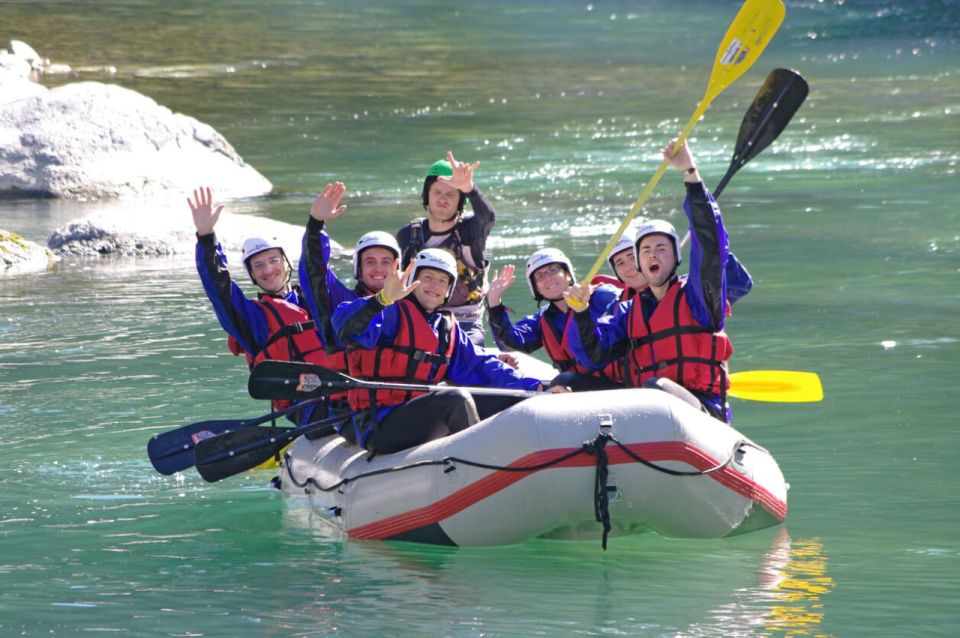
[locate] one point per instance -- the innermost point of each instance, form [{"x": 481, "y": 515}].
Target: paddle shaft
[
  {"x": 309, "y": 385},
  {"x": 748, "y": 35}
]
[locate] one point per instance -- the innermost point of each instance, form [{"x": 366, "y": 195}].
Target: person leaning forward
[
  {"x": 446, "y": 187},
  {"x": 400, "y": 335},
  {"x": 671, "y": 332}
]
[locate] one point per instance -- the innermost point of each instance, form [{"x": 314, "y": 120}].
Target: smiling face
[
  {"x": 657, "y": 259},
  {"x": 442, "y": 202},
  {"x": 625, "y": 266},
  {"x": 551, "y": 280},
  {"x": 269, "y": 270},
  {"x": 375, "y": 264},
  {"x": 433, "y": 288}
]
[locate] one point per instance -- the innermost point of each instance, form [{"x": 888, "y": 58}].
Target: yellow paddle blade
[
  {"x": 779, "y": 386},
  {"x": 745, "y": 40}
]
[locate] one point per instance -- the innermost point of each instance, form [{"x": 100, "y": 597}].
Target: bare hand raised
[
  {"x": 327, "y": 206},
  {"x": 204, "y": 216},
  {"x": 682, "y": 159},
  {"x": 394, "y": 285},
  {"x": 501, "y": 281},
  {"x": 462, "y": 178}
]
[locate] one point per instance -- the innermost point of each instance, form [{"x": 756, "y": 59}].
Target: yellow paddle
[
  {"x": 748, "y": 35},
  {"x": 779, "y": 386}
]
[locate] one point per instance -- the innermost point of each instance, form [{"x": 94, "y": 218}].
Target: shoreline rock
[{"x": 19, "y": 255}]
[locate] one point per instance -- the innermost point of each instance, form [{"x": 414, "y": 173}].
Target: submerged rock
[
  {"x": 18, "y": 255},
  {"x": 165, "y": 229}
]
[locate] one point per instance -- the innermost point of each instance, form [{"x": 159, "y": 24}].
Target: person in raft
[
  {"x": 549, "y": 273},
  {"x": 276, "y": 324},
  {"x": 401, "y": 335},
  {"x": 631, "y": 281},
  {"x": 374, "y": 257},
  {"x": 671, "y": 334},
  {"x": 446, "y": 187}
]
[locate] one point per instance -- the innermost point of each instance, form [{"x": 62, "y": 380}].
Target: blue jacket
[
  {"x": 323, "y": 291},
  {"x": 527, "y": 336},
  {"x": 366, "y": 323}
]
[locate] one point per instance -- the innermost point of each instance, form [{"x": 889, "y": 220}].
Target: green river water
[{"x": 849, "y": 223}]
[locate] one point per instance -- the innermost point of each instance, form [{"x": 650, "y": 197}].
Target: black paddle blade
[
  {"x": 290, "y": 380},
  {"x": 235, "y": 452},
  {"x": 172, "y": 451},
  {"x": 776, "y": 103},
  {"x": 772, "y": 109}
]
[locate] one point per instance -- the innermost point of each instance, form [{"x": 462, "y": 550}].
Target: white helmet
[
  {"x": 438, "y": 259},
  {"x": 253, "y": 246},
  {"x": 656, "y": 227},
  {"x": 256, "y": 245},
  {"x": 624, "y": 243},
  {"x": 375, "y": 238},
  {"x": 541, "y": 258}
]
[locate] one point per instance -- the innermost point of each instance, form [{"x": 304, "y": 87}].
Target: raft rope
[{"x": 601, "y": 497}]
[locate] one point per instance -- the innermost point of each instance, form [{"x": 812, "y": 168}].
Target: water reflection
[
  {"x": 787, "y": 599},
  {"x": 766, "y": 584}
]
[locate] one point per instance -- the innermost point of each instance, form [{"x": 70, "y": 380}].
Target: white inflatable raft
[{"x": 533, "y": 471}]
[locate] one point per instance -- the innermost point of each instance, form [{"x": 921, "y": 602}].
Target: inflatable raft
[{"x": 561, "y": 466}]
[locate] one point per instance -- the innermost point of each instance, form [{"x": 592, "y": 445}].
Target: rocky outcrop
[
  {"x": 90, "y": 140},
  {"x": 17, "y": 255}
]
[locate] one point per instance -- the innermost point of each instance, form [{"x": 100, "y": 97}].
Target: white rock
[
  {"x": 27, "y": 53},
  {"x": 94, "y": 140},
  {"x": 15, "y": 65},
  {"x": 16, "y": 87},
  {"x": 18, "y": 255}
]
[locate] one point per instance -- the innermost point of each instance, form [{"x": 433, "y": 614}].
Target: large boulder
[
  {"x": 95, "y": 140},
  {"x": 18, "y": 255}
]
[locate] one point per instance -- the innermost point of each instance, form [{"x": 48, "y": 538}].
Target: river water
[{"x": 848, "y": 223}]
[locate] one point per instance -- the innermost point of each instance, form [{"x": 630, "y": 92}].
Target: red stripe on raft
[{"x": 501, "y": 479}]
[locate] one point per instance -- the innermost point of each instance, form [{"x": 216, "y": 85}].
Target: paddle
[
  {"x": 290, "y": 379},
  {"x": 172, "y": 451},
  {"x": 748, "y": 35},
  {"x": 781, "y": 386},
  {"x": 244, "y": 449},
  {"x": 771, "y": 110},
  {"x": 293, "y": 379}
]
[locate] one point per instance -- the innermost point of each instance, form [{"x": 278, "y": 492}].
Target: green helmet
[{"x": 440, "y": 167}]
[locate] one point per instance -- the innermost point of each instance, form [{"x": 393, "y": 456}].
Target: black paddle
[
  {"x": 772, "y": 109},
  {"x": 776, "y": 102},
  {"x": 241, "y": 450},
  {"x": 289, "y": 380},
  {"x": 172, "y": 451}
]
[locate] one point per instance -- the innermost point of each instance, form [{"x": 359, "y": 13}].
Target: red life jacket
[
  {"x": 417, "y": 355},
  {"x": 625, "y": 291},
  {"x": 674, "y": 346},
  {"x": 291, "y": 338},
  {"x": 558, "y": 349}
]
